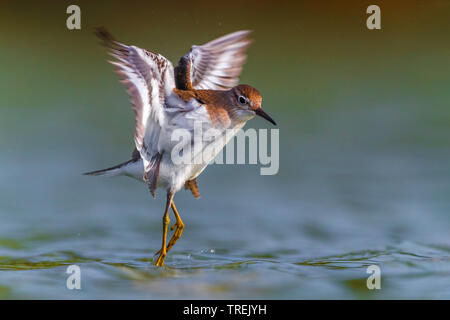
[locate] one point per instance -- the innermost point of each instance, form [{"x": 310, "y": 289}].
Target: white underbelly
[
  {"x": 177, "y": 174},
  {"x": 174, "y": 175}
]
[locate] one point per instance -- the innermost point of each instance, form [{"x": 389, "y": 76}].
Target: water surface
[{"x": 364, "y": 161}]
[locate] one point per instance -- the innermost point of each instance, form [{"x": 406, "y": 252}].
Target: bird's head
[{"x": 247, "y": 103}]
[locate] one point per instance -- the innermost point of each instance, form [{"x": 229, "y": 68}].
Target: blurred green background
[{"x": 364, "y": 174}]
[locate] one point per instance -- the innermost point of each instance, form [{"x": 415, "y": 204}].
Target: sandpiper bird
[{"x": 203, "y": 87}]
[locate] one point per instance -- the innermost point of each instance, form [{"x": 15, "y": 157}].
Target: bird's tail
[{"x": 109, "y": 172}]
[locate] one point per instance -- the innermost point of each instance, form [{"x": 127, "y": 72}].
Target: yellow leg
[
  {"x": 179, "y": 227},
  {"x": 166, "y": 220}
]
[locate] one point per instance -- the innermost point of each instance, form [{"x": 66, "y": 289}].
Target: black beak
[{"x": 261, "y": 113}]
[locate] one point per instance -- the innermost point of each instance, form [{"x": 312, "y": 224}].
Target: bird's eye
[{"x": 242, "y": 100}]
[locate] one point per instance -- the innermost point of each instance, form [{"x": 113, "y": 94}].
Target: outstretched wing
[
  {"x": 215, "y": 65},
  {"x": 149, "y": 79}
]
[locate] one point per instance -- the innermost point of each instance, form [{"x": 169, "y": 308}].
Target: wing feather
[
  {"x": 215, "y": 65},
  {"x": 149, "y": 79}
]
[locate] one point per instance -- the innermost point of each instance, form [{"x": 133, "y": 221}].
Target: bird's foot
[
  {"x": 179, "y": 225},
  {"x": 177, "y": 234},
  {"x": 162, "y": 255}
]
